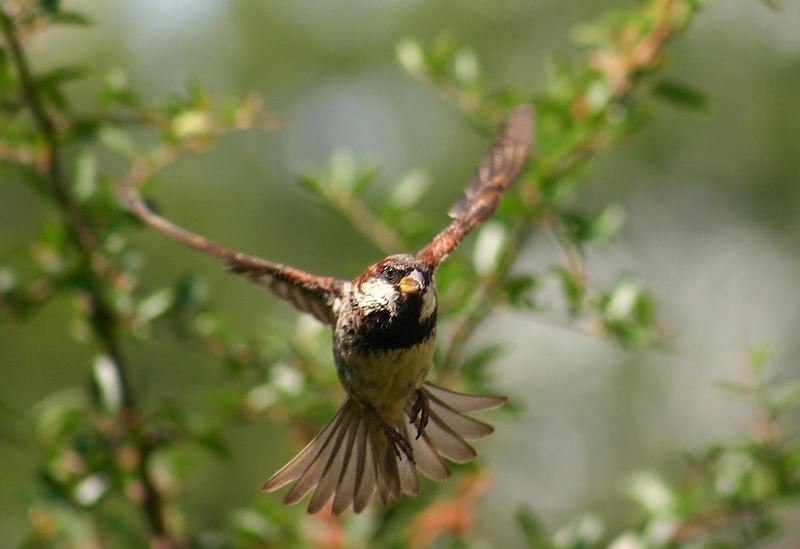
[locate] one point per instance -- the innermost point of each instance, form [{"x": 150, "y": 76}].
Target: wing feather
[{"x": 495, "y": 173}]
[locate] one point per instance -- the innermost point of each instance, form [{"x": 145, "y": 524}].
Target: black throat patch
[{"x": 379, "y": 330}]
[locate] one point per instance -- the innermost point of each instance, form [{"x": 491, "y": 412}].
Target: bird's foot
[
  {"x": 420, "y": 412},
  {"x": 397, "y": 441}
]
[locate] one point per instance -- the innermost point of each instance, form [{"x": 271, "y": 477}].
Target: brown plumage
[{"x": 393, "y": 423}]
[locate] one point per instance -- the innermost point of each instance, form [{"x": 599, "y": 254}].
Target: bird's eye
[{"x": 389, "y": 272}]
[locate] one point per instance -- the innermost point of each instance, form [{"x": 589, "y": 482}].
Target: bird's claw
[
  {"x": 420, "y": 412},
  {"x": 397, "y": 441}
]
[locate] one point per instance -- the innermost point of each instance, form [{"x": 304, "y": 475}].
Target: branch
[
  {"x": 94, "y": 269},
  {"x": 355, "y": 212},
  {"x": 143, "y": 169},
  {"x": 623, "y": 68}
]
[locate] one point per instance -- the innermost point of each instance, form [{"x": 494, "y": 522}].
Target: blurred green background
[{"x": 713, "y": 204}]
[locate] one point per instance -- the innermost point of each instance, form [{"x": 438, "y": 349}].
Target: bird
[{"x": 394, "y": 423}]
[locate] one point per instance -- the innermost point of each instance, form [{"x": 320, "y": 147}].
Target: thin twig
[
  {"x": 364, "y": 221},
  {"x": 94, "y": 269}
]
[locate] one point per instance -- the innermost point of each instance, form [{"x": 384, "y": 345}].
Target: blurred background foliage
[{"x": 636, "y": 294}]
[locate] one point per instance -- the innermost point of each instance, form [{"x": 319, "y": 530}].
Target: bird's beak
[{"x": 414, "y": 283}]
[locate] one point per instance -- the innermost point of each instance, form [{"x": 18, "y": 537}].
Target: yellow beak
[{"x": 413, "y": 283}]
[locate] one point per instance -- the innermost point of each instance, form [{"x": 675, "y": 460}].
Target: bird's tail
[{"x": 352, "y": 457}]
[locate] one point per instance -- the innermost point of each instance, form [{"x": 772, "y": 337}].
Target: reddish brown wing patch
[
  {"x": 495, "y": 173},
  {"x": 312, "y": 294}
]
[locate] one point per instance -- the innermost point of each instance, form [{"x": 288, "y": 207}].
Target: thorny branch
[{"x": 95, "y": 270}]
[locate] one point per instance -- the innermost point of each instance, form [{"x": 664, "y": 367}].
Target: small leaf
[
  {"x": 311, "y": 183},
  {"x": 85, "y": 179},
  {"x": 61, "y": 75},
  {"x": 465, "y": 67},
  {"x": 606, "y": 225},
  {"x": 117, "y": 140},
  {"x": 785, "y": 397},
  {"x": 519, "y": 290},
  {"x": 50, "y": 6},
  {"x": 488, "y": 246},
  {"x": 71, "y": 17},
  {"x": 622, "y": 300},
  {"x": 573, "y": 290},
  {"x": 252, "y": 524},
  {"x": 410, "y": 189},
  {"x": 364, "y": 179},
  {"x": 474, "y": 367},
  {"x": 342, "y": 170},
  {"x": 775, "y": 5},
  {"x": 411, "y": 56},
  {"x": 681, "y": 95},
  {"x": 652, "y": 494},
  {"x": 583, "y": 531},
  {"x": 156, "y": 305},
  {"x": 735, "y": 388},
  {"x": 531, "y": 528},
  {"x": 107, "y": 385},
  {"x": 89, "y": 491},
  {"x": 192, "y": 123},
  {"x": 757, "y": 357},
  {"x": 214, "y": 441}
]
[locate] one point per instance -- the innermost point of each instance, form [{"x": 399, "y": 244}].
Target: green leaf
[
  {"x": 50, "y": 6},
  {"x": 784, "y": 397},
  {"x": 474, "y": 367},
  {"x": 311, "y": 183},
  {"x": 519, "y": 290},
  {"x": 573, "y": 290},
  {"x": 488, "y": 247},
  {"x": 531, "y": 528},
  {"x": 606, "y": 225},
  {"x": 61, "y": 75},
  {"x": 85, "y": 178},
  {"x": 214, "y": 441},
  {"x": 364, "y": 179},
  {"x": 156, "y": 305},
  {"x": 411, "y": 56},
  {"x": 652, "y": 494},
  {"x": 775, "y": 5},
  {"x": 681, "y": 95},
  {"x": 106, "y": 385},
  {"x": 70, "y": 17},
  {"x": 410, "y": 189},
  {"x": 757, "y": 357},
  {"x": 117, "y": 141}
]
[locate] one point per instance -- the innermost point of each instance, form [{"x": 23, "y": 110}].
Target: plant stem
[{"x": 93, "y": 269}]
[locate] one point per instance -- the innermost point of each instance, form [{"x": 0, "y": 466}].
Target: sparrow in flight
[{"x": 393, "y": 422}]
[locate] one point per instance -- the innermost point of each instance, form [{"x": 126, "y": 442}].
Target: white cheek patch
[
  {"x": 376, "y": 294},
  {"x": 428, "y": 304}
]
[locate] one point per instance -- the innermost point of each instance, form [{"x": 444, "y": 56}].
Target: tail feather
[
  {"x": 292, "y": 470},
  {"x": 337, "y": 463},
  {"x": 449, "y": 443},
  {"x": 346, "y": 490},
  {"x": 316, "y": 468},
  {"x": 365, "y": 470},
  {"x": 466, "y": 427},
  {"x": 352, "y": 457},
  {"x": 463, "y": 402},
  {"x": 387, "y": 475},
  {"x": 427, "y": 457}
]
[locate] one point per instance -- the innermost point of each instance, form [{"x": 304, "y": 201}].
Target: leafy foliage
[{"x": 106, "y": 450}]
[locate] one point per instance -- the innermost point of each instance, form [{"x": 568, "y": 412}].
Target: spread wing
[
  {"x": 494, "y": 174},
  {"x": 318, "y": 295}
]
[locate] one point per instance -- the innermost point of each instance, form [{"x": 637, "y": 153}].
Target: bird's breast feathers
[{"x": 386, "y": 378}]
